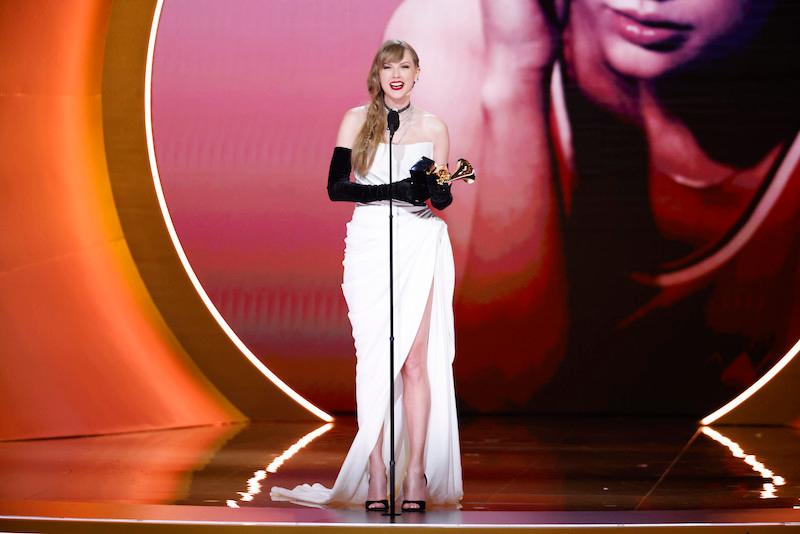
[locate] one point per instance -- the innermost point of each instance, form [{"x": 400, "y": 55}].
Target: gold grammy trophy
[{"x": 464, "y": 171}]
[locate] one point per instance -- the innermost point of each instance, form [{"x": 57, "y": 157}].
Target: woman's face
[
  {"x": 648, "y": 38},
  {"x": 397, "y": 77}
]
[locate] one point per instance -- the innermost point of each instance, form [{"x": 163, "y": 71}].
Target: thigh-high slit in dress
[{"x": 423, "y": 267}]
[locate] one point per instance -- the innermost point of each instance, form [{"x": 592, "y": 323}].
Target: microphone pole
[{"x": 393, "y": 122}]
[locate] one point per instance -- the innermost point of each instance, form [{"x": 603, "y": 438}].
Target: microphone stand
[{"x": 393, "y": 123}]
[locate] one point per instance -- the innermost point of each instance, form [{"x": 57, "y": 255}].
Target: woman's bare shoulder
[
  {"x": 352, "y": 122},
  {"x": 359, "y": 111},
  {"x": 432, "y": 124},
  {"x": 356, "y": 115}
]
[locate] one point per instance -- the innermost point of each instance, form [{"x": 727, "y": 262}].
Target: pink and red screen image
[{"x": 642, "y": 258}]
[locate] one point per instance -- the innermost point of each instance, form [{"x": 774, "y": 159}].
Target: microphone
[{"x": 393, "y": 121}]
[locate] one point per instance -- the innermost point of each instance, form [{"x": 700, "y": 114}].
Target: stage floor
[{"x": 517, "y": 470}]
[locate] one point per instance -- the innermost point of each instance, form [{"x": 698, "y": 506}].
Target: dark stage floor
[{"x": 513, "y": 467}]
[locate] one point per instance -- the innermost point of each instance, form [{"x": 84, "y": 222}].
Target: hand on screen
[
  {"x": 512, "y": 290},
  {"x": 521, "y": 34}
]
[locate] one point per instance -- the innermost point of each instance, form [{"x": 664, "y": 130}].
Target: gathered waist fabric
[{"x": 398, "y": 208}]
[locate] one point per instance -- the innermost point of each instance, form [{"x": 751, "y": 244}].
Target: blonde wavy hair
[{"x": 371, "y": 133}]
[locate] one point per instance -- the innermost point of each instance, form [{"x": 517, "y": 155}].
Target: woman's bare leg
[
  {"x": 417, "y": 403},
  {"x": 377, "y": 474}
]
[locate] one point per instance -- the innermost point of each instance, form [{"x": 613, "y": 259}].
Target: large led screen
[{"x": 642, "y": 257}]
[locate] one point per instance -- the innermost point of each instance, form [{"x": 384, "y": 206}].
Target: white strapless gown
[{"x": 423, "y": 258}]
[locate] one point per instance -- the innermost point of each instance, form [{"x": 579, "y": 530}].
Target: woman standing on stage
[{"x": 426, "y": 441}]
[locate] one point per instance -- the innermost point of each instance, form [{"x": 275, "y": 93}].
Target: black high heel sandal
[
  {"x": 420, "y": 504},
  {"x": 384, "y": 502}
]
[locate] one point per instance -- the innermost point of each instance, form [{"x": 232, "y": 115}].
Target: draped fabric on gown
[{"x": 423, "y": 265}]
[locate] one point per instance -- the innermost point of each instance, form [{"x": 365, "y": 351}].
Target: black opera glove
[
  {"x": 441, "y": 197},
  {"x": 440, "y": 194},
  {"x": 340, "y": 187},
  {"x": 412, "y": 190}
]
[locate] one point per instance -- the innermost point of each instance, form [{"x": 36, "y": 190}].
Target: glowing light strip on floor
[
  {"x": 750, "y": 459},
  {"x": 254, "y": 483},
  {"x": 177, "y": 244},
  {"x": 758, "y": 384}
]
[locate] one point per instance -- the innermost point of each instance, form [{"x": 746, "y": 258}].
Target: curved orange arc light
[
  {"x": 252, "y": 358},
  {"x": 758, "y": 384}
]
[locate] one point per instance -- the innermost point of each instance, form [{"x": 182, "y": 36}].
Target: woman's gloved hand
[
  {"x": 441, "y": 197},
  {"x": 413, "y": 190},
  {"x": 440, "y": 194}
]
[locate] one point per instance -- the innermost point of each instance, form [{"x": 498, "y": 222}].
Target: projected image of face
[
  {"x": 651, "y": 151},
  {"x": 650, "y": 38}
]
